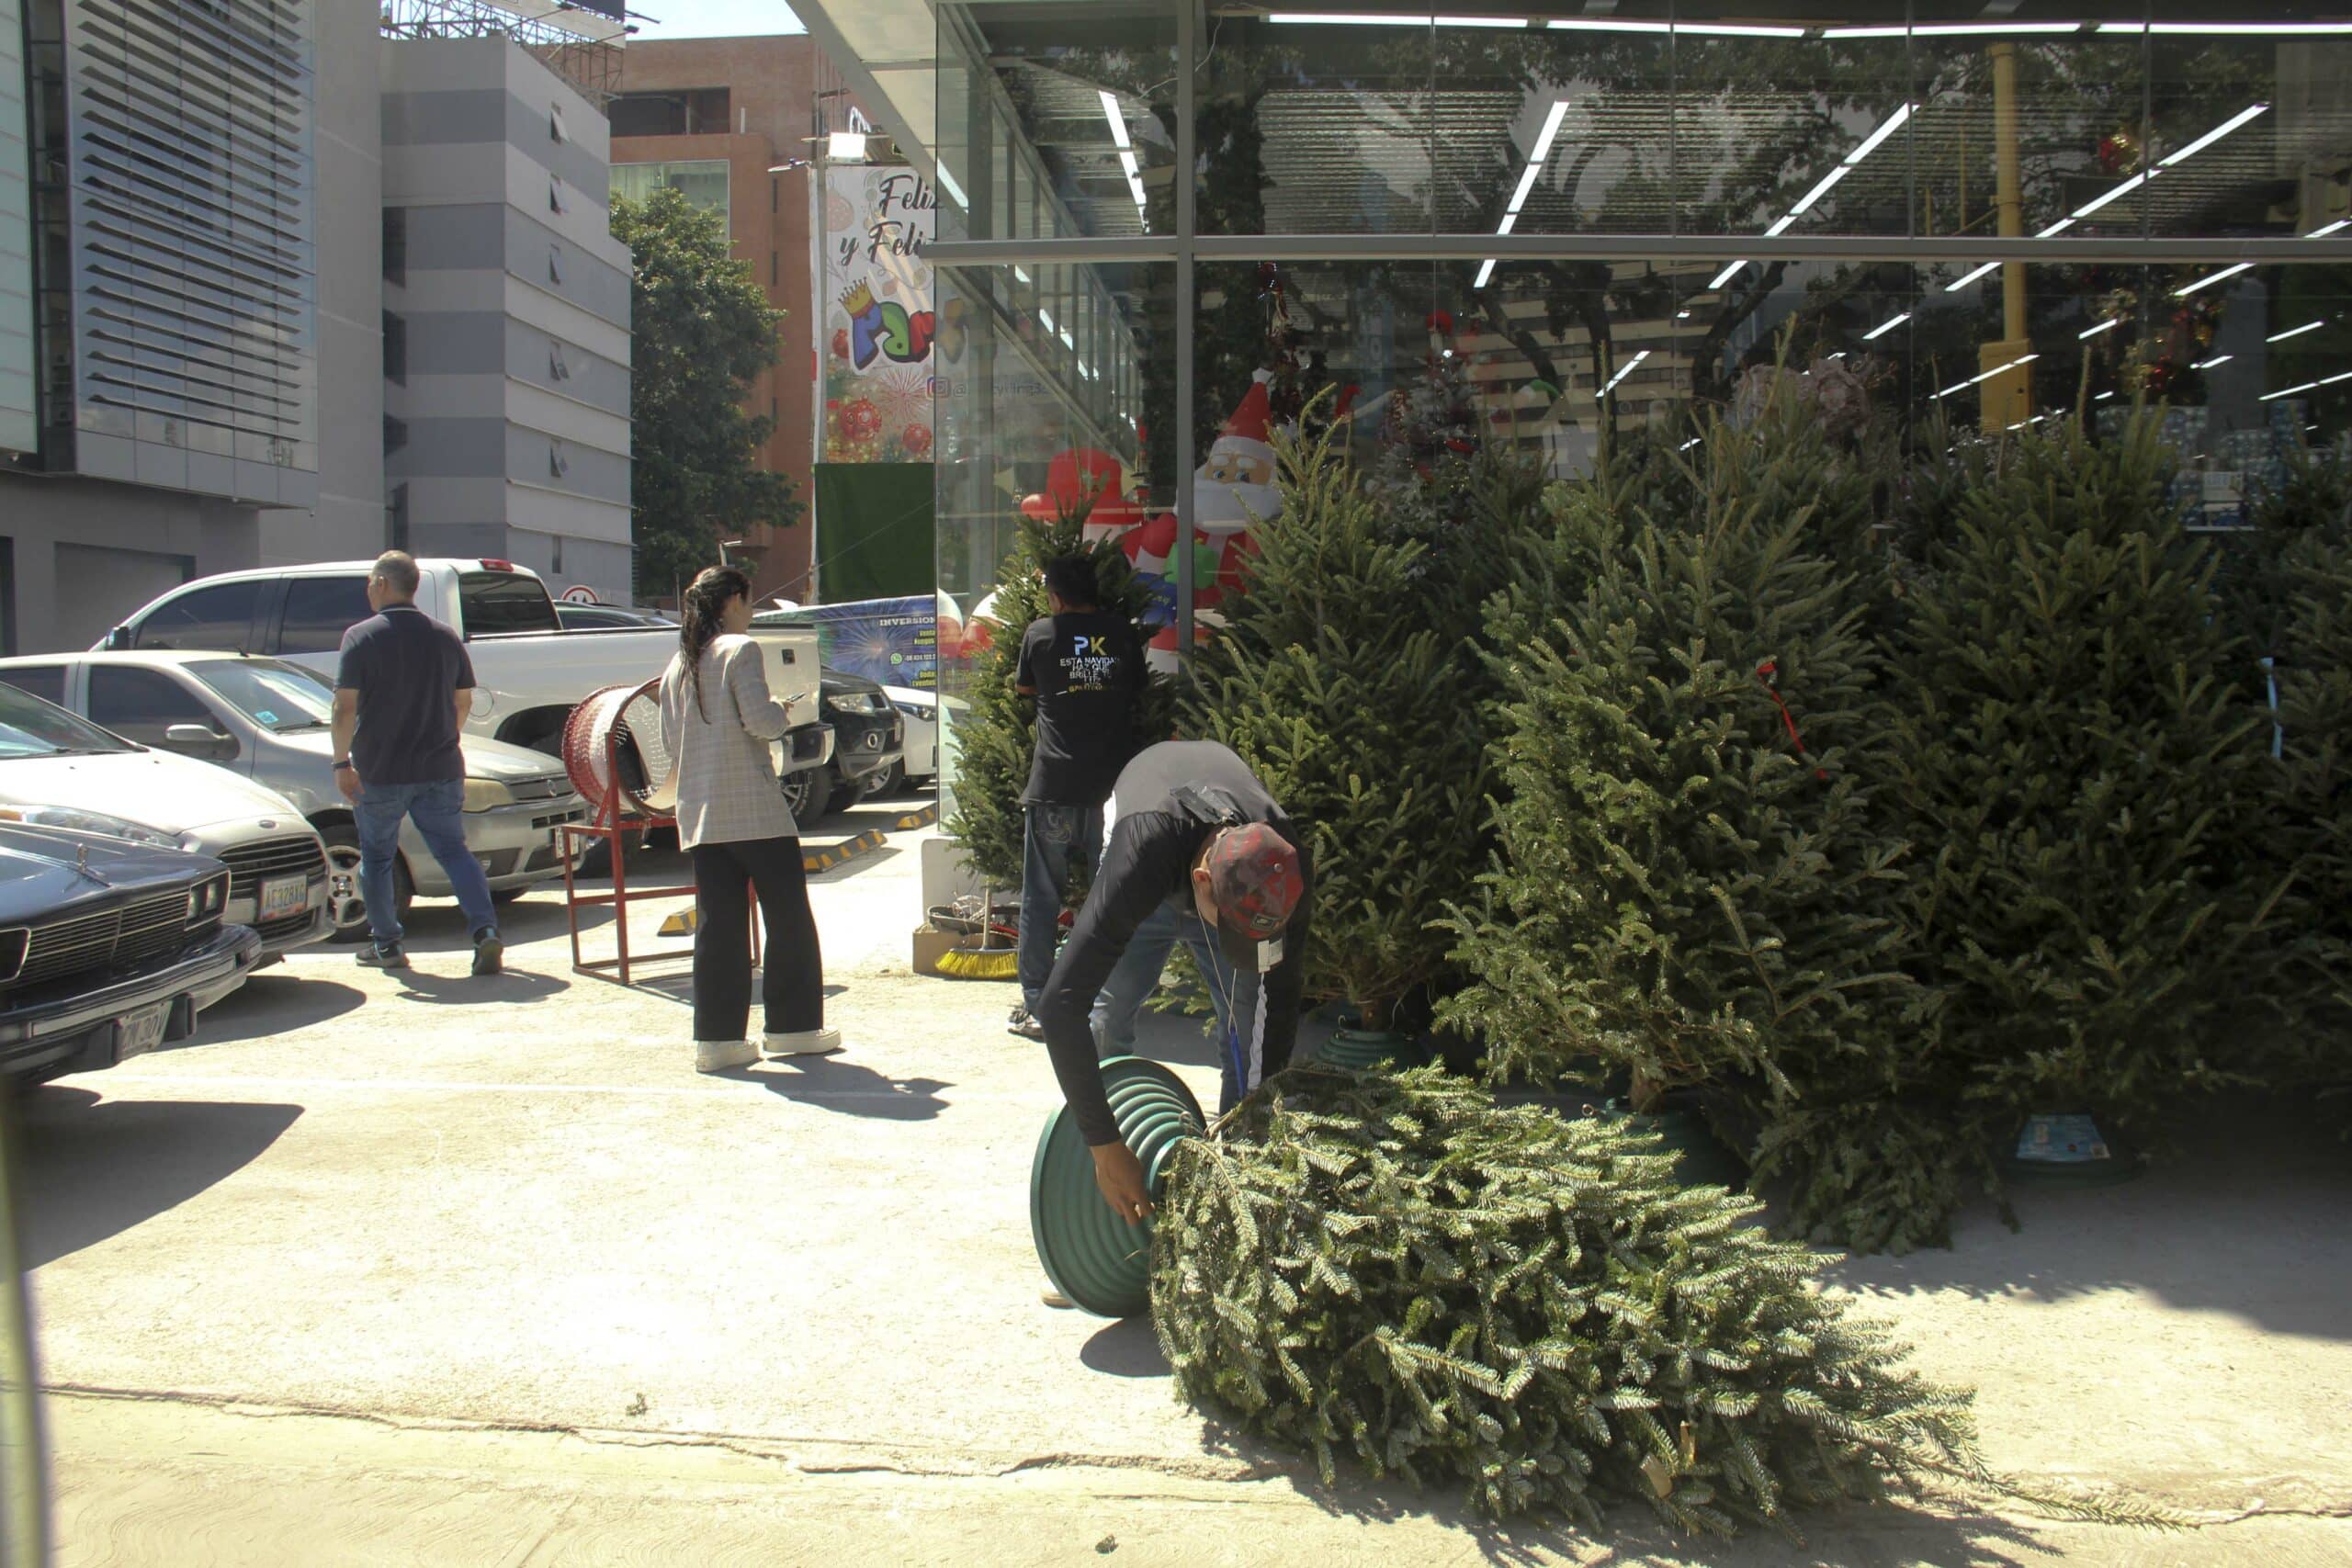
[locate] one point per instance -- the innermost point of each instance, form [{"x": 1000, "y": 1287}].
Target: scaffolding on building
[{"x": 580, "y": 40}]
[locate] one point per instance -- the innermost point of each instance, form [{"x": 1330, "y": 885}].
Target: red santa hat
[{"x": 1245, "y": 432}]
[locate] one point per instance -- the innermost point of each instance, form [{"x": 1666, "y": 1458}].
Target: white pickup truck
[{"x": 531, "y": 671}]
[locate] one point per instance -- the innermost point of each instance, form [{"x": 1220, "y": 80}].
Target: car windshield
[
  {"x": 31, "y": 727},
  {"x": 277, "y": 695}
]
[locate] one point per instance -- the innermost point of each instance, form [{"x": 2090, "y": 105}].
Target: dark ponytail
[{"x": 700, "y": 623}]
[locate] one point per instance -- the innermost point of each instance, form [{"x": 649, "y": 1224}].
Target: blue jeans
[
  {"x": 1052, "y": 840},
  {"x": 1137, "y": 976},
  {"x": 438, "y": 808}
]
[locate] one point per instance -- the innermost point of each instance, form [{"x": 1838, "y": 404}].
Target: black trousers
[{"x": 794, "y": 988}]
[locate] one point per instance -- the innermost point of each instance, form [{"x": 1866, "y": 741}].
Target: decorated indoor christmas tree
[
  {"x": 995, "y": 737},
  {"x": 1421, "y": 476},
  {"x": 2081, "y": 765}
]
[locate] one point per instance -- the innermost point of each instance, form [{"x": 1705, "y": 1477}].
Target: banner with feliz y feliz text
[{"x": 882, "y": 340}]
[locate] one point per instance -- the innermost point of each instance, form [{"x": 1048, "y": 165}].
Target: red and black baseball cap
[{"x": 1255, "y": 880}]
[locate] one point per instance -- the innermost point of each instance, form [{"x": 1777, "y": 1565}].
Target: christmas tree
[
  {"x": 1339, "y": 677},
  {"x": 995, "y": 737},
  {"x": 2310, "y": 825},
  {"x": 1428, "y": 438},
  {"x": 1393, "y": 1270},
  {"x": 1696, "y": 881},
  {"x": 2081, "y": 769}
]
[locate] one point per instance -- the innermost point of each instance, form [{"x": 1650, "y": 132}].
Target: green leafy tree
[
  {"x": 1339, "y": 677},
  {"x": 702, "y": 330},
  {"x": 997, "y": 737},
  {"x": 2080, "y": 765}
]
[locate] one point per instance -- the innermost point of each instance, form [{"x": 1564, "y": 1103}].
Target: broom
[{"x": 984, "y": 962}]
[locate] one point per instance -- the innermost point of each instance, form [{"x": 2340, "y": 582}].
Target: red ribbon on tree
[{"x": 1764, "y": 675}]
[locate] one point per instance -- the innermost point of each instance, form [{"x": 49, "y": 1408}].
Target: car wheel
[
  {"x": 892, "y": 782},
  {"x": 808, "y": 795},
  {"x": 346, "y": 910}
]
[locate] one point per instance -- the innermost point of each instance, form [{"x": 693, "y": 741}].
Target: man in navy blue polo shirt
[{"x": 402, "y": 692}]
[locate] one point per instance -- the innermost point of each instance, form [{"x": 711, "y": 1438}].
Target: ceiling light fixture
[
  {"x": 2214, "y": 135},
  {"x": 2102, "y": 397},
  {"x": 2058, "y": 228},
  {"x": 1688, "y": 445},
  {"x": 1988, "y": 375},
  {"x": 2295, "y": 331},
  {"x": 1536, "y": 159},
  {"x": 947, "y": 182},
  {"x": 2107, "y": 325},
  {"x": 1622, "y": 371},
  {"x": 2217, "y": 359},
  {"x": 2185, "y": 290},
  {"x": 1376, "y": 19},
  {"x": 1951, "y": 29},
  {"x": 2226, "y": 29},
  {"x": 1961, "y": 283},
  {"x": 1883, "y": 328},
  {"x": 1727, "y": 275},
  {"x": 2326, "y": 230}
]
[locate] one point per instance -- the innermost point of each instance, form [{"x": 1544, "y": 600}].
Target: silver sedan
[{"x": 268, "y": 720}]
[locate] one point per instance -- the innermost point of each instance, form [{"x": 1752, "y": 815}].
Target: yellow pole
[{"x": 2008, "y": 396}]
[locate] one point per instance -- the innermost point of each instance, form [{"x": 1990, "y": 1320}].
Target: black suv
[{"x": 869, "y": 737}]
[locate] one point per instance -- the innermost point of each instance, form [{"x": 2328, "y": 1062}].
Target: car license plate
[
  {"x": 284, "y": 895},
  {"x": 137, "y": 1034}
]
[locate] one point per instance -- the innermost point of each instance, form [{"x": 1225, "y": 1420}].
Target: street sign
[{"x": 580, "y": 594}]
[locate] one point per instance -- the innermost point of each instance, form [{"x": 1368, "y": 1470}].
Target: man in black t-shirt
[
  {"x": 403, "y": 690},
  {"x": 1083, "y": 666}
]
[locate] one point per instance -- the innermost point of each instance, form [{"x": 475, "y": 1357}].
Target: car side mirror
[
  {"x": 200, "y": 740},
  {"x": 118, "y": 639}
]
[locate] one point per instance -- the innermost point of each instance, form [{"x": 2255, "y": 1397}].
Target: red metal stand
[{"x": 609, "y": 824}]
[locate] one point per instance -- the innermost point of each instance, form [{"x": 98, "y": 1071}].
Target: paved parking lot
[{"x": 416, "y": 1268}]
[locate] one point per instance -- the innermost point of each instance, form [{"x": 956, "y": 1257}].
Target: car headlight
[
  {"x": 90, "y": 822},
  {"x": 923, "y": 712},
  {"x": 857, "y": 702},
  {"x": 487, "y": 794},
  {"x": 208, "y": 897}
]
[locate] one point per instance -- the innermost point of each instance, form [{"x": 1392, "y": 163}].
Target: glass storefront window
[
  {"x": 1701, "y": 196},
  {"x": 1057, "y": 118}
]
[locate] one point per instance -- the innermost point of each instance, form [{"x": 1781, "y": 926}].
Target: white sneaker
[
  {"x": 717, "y": 1055},
  {"x": 805, "y": 1042}
]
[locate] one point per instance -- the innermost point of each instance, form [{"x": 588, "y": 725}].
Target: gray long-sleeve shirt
[{"x": 726, "y": 782}]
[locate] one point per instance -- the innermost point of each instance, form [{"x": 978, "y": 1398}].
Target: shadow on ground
[
  {"x": 90, "y": 1169},
  {"x": 272, "y": 1002},
  {"x": 1853, "y": 1535},
  {"x": 2255, "y": 1182},
  {"x": 836, "y": 1084}
]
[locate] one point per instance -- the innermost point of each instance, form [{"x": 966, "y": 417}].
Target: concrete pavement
[{"x": 420, "y": 1268}]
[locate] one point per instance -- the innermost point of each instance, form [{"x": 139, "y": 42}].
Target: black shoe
[
  {"x": 375, "y": 957},
  {"x": 488, "y": 951},
  {"x": 1023, "y": 1024}
]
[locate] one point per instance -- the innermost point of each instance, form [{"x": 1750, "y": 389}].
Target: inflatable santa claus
[{"x": 1233, "y": 491}]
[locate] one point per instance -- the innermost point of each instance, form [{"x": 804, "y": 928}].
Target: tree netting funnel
[
  {"x": 1094, "y": 1258},
  {"x": 613, "y": 751}
]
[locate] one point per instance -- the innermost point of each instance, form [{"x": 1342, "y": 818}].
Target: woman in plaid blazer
[{"x": 720, "y": 724}]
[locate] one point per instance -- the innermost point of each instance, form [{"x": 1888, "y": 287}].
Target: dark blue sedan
[{"x": 107, "y": 949}]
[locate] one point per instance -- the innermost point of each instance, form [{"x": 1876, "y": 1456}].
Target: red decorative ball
[
  {"x": 1441, "y": 320},
  {"x": 916, "y": 439},
  {"x": 841, "y": 343},
  {"x": 861, "y": 420}
]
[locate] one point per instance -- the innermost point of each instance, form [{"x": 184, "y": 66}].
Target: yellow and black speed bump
[
  {"x": 682, "y": 922},
  {"x": 815, "y": 861},
  {"x": 922, "y": 818}
]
